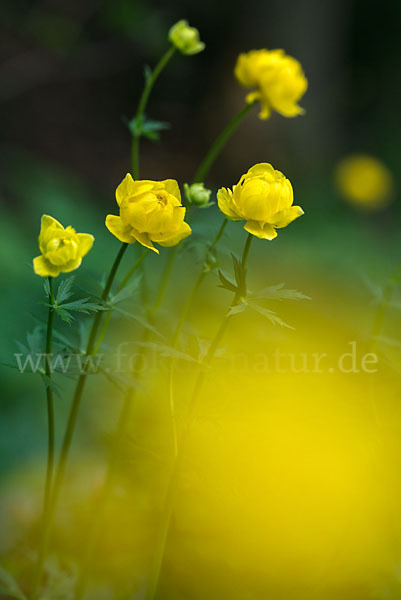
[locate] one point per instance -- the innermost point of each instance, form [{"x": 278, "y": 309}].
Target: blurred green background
[{"x": 70, "y": 76}]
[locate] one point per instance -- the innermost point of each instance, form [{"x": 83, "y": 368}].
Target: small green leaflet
[
  {"x": 64, "y": 290},
  {"x": 147, "y": 71},
  {"x": 237, "y": 308},
  {"x": 270, "y": 315},
  {"x": 63, "y": 308},
  {"x": 279, "y": 292},
  {"x": 148, "y": 127},
  {"x": 82, "y": 306},
  {"x": 226, "y": 283}
]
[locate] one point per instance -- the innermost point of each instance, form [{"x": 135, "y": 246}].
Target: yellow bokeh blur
[{"x": 364, "y": 181}]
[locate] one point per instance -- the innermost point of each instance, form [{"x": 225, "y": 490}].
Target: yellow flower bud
[
  {"x": 277, "y": 79},
  {"x": 62, "y": 249},
  {"x": 185, "y": 38},
  {"x": 150, "y": 211},
  {"x": 264, "y": 198},
  {"x": 197, "y": 194},
  {"x": 365, "y": 181}
]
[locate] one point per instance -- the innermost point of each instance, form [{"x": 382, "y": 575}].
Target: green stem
[
  {"x": 142, "y": 106},
  {"x": 119, "y": 437},
  {"x": 72, "y": 418},
  {"x": 161, "y": 542},
  {"x": 123, "y": 420},
  {"x": 383, "y": 307},
  {"x": 122, "y": 285},
  {"x": 50, "y": 428},
  {"x": 49, "y": 397},
  {"x": 220, "y": 142},
  {"x": 183, "y": 317}
]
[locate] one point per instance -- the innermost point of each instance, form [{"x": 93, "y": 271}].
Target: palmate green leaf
[
  {"x": 279, "y": 292},
  {"x": 147, "y": 127},
  {"x": 81, "y": 306},
  {"x": 270, "y": 315},
  {"x": 9, "y": 587}
]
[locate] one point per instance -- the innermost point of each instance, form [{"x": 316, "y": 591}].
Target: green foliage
[
  {"x": 63, "y": 309},
  {"x": 278, "y": 292},
  {"x": 149, "y": 128},
  {"x": 269, "y": 314},
  {"x": 251, "y": 300}
]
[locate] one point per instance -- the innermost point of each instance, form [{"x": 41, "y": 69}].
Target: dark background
[{"x": 72, "y": 71}]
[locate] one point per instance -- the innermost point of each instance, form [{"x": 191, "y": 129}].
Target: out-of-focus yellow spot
[
  {"x": 365, "y": 181},
  {"x": 277, "y": 80}
]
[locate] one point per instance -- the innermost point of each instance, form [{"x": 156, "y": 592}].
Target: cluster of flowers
[{"x": 151, "y": 211}]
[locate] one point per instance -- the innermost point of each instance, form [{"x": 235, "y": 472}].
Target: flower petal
[
  {"x": 171, "y": 186},
  {"x": 71, "y": 265},
  {"x": 44, "y": 268},
  {"x": 285, "y": 217},
  {"x": 143, "y": 238},
  {"x": 183, "y": 232},
  {"x": 265, "y": 232},
  {"x": 85, "y": 241},
  {"x": 226, "y": 205},
  {"x": 125, "y": 189},
  {"x": 122, "y": 232},
  {"x": 47, "y": 225}
]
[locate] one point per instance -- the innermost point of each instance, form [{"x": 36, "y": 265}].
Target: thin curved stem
[
  {"x": 383, "y": 307},
  {"x": 220, "y": 142},
  {"x": 123, "y": 420},
  {"x": 122, "y": 285},
  {"x": 50, "y": 429},
  {"x": 171, "y": 491},
  {"x": 72, "y": 418},
  {"x": 119, "y": 437},
  {"x": 183, "y": 317},
  {"x": 136, "y": 135},
  {"x": 49, "y": 398}
]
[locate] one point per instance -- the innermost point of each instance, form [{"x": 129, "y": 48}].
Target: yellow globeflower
[
  {"x": 364, "y": 181},
  {"x": 263, "y": 197},
  {"x": 150, "y": 211},
  {"x": 62, "y": 249},
  {"x": 185, "y": 38},
  {"x": 277, "y": 79}
]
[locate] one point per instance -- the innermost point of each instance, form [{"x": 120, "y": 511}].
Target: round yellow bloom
[
  {"x": 278, "y": 81},
  {"x": 365, "y": 181},
  {"x": 62, "y": 249},
  {"x": 150, "y": 211},
  {"x": 185, "y": 38},
  {"x": 263, "y": 197}
]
